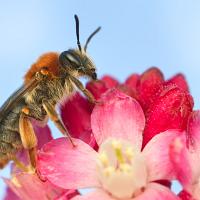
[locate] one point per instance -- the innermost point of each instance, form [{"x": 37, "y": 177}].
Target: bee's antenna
[
  {"x": 77, "y": 32},
  {"x": 90, "y": 37}
]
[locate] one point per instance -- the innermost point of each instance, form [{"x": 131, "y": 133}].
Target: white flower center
[{"x": 121, "y": 169}]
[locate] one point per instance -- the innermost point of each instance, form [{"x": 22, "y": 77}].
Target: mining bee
[{"x": 52, "y": 77}]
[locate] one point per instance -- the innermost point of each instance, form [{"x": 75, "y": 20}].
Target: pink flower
[
  {"x": 185, "y": 156},
  {"x": 29, "y": 186},
  {"x": 120, "y": 169},
  {"x": 167, "y": 104}
]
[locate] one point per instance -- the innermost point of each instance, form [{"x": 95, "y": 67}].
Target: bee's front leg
[
  {"x": 53, "y": 115},
  {"x": 28, "y": 137},
  {"x": 81, "y": 87}
]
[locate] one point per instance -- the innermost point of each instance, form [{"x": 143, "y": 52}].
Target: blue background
[{"x": 136, "y": 34}]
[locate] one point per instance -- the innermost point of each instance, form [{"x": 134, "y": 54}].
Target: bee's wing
[{"x": 16, "y": 97}]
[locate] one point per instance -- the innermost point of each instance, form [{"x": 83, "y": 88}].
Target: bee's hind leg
[
  {"x": 53, "y": 115},
  {"x": 28, "y": 137}
]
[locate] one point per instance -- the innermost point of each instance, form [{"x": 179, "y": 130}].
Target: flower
[
  {"x": 120, "y": 169},
  {"x": 185, "y": 156},
  {"x": 167, "y": 104},
  {"x": 28, "y": 185}
]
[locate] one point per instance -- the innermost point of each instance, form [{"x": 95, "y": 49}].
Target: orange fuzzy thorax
[{"x": 48, "y": 60}]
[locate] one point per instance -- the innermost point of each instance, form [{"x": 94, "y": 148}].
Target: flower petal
[
  {"x": 97, "y": 88},
  {"x": 75, "y": 114},
  {"x": 194, "y": 130},
  {"x": 132, "y": 81},
  {"x": 43, "y": 134},
  {"x": 119, "y": 116},
  {"x": 169, "y": 111},
  {"x": 156, "y": 153},
  {"x": 10, "y": 195},
  {"x": 29, "y": 186},
  {"x": 149, "y": 85},
  {"x": 183, "y": 160},
  {"x": 180, "y": 81},
  {"x": 185, "y": 195},
  {"x": 68, "y": 195},
  {"x": 96, "y": 195},
  {"x": 156, "y": 191},
  {"x": 153, "y": 191},
  {"x": 128, "y": 91},
  {"x": 67, "y": 166},
  {"x": 109, "y": 81}
]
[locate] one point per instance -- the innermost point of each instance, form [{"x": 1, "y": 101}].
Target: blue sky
[{"x": 136, "y": 34}]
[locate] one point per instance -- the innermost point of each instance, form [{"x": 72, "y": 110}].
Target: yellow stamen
[
  {"x": 108, "y": 171},
  {"x": 129, "y": 153},
  {"x": 104, "y": 159},
  {"x": 125, "y": 168},
  {"x": 118, "y": 150}
]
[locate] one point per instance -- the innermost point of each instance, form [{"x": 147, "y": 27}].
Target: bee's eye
[
  {"x": 68, "y": 57},
  {"x": 72, "y": 59}
]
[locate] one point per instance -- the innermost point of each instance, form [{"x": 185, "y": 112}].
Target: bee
[{"x": 52, "y": 77}]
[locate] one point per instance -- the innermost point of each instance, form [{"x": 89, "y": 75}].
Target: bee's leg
[
  {"x": 20, "y": 165},
  {"x": 81, "y": 87},
  {"x": 53, "y": 115},
  {"x": 28, "y": 137}
]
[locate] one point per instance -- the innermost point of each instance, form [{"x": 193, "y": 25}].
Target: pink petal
[
  {"x": 180, "y": 81},
  {"x": 68, "y": 195},
  {"x": 31, "y": 187},
  {"x": 153, "y": 192},
  {"x": 109, "y": 81},
  {"x": 97, "y": 88},
  {"x": 149, "y": 85},
  {"x": 194, "y": 130},
  {"x": 156, "y": 151},
  {"x": 75, "y": 114},
  {"x": 183, "y": 162},
  {"x": 169, "y": 111},
  {"x": 118, "y": 116},
  {"x": 185, "y": 195},
  {"x": 132, "y": 81},
  {"x": 67, "y": 166},
  {"x": 128, "y": 91},
  {"x": 156, "y": 191},
  {"x": 10, "y": 195},
  {"x": 43, "y": 134},
  {"x": 96, "y": 195}
]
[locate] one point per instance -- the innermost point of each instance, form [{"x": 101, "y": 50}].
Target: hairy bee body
[
  {"x": 50, "y": 79},
  {"x": 52, "y": 90}
]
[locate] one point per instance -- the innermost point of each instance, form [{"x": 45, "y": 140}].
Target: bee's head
[{"x": 76, "y": 61}]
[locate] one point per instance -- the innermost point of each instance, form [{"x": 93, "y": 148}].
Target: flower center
[{"x": 121, "y": 169}]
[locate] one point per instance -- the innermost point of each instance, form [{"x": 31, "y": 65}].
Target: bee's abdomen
[{"x": 10, "y": 142}]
